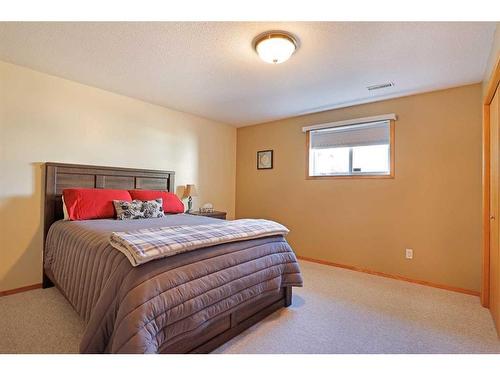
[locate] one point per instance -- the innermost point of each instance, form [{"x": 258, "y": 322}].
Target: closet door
[{"x": 494, "y": 212}]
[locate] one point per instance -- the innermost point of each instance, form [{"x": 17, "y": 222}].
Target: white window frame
[{"x": 353, "y": 174}]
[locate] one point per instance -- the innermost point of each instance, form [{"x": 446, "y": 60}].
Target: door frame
[{"x": 490, "y": 92}]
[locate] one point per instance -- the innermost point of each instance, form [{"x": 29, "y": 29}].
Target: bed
[{"x": 186, "y": 303}]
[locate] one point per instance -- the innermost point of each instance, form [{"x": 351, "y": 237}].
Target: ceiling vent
[{"x": 380, "y": 86}]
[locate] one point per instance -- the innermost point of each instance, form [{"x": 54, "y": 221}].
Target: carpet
[{"x": 337, "y": 311}]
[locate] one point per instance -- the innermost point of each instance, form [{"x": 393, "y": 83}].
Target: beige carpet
[{"x": 338, "y": 311}]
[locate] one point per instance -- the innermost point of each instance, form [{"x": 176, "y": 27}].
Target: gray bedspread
[{"x": 142, "y": 309}]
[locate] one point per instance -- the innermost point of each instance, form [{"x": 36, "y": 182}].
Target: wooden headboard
[{"x": 63, "y": 176}]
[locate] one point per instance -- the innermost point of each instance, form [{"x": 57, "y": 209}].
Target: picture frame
[{"x": 265, "y": 159}]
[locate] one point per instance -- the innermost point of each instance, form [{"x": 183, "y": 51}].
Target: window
[{"x": 356, "y": 150}]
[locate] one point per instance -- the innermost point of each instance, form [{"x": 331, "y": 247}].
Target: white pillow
[{"x": 65, "y": 210}]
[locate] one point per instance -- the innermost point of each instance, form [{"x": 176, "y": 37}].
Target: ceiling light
[{"x": 275, "y": 47}]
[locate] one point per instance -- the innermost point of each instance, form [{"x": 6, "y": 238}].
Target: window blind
[{"x": 367, "y": 134}]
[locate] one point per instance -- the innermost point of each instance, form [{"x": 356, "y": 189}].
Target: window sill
[{"x": 385, "y": 176}]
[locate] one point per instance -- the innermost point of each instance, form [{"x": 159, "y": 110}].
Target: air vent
[{"x": 380, "y": 86}]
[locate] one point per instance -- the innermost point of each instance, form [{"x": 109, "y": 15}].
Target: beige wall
[
  {"x": 44, "y": 118},
  {"x": 433, "y": 204}
]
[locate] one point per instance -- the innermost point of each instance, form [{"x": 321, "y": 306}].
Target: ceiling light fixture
[{"x": 275, "y": 47}]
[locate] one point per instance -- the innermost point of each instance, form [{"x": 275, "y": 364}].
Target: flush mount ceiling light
[{"x": 275, "y": 47}]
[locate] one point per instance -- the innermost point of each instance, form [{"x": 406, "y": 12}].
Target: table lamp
[{"x": 190, "y": 192}]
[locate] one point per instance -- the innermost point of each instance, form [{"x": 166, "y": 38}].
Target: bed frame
[{"x": 214, "y": 332}]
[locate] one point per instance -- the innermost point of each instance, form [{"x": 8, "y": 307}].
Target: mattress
[{"x": 142, "y": 309}]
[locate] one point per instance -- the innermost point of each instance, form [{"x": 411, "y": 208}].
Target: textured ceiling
[{"x": 210, "y": 69}]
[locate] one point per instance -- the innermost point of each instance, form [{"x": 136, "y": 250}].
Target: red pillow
[
  {"x": 171, "y": 203},
  {"x": 85, "y": 204}
]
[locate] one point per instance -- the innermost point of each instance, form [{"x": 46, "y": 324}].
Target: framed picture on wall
[{"x": 265, "y": 159}]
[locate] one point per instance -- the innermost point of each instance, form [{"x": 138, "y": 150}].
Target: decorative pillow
[
  {"x": 171, "y": 203},
  {"x": 86, "y": 204},
  {"x": 138, "y": 209},
  {"x": 65, "y": 210}
]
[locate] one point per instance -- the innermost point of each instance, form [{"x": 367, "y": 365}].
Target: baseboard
[
  {"x": 20, "y": 290},
  {"x": 395, "y": 277}
]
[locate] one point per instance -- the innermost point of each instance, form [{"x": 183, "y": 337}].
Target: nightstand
[{"x": 215, "y": 214}]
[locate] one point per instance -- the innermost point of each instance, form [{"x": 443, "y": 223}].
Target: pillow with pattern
[{"x": 137, "y": 209}]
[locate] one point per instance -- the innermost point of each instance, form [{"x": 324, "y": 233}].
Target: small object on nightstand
[
  {"x": 207, "y": 208},
  {"x": 214, "y": 214}
]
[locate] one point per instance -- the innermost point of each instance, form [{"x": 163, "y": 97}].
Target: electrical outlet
[{"x": 409, "y": 254}]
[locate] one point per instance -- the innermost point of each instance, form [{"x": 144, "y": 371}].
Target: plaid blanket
[{"x": 141, "y": 246}]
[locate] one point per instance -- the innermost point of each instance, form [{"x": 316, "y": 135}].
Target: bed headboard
[{"x": 63, "y": 176}]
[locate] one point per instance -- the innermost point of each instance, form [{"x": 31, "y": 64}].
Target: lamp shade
[{"x": 190, "y": 191}]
